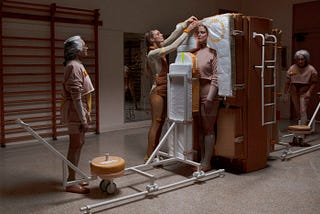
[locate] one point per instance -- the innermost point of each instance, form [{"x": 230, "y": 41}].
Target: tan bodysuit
[
  {"x": 299, "y": 81},
  {"x": 207, "y": 66}
]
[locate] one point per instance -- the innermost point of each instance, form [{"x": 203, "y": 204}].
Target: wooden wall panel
[{"x": 31, "y": 69}]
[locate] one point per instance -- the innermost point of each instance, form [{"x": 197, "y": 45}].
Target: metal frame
[
  {"x": 288, "y": 153},
  {"x": 153, "y": 187},
  {"x": 65, "y": 161},
  {"x": 154, "y": 160},
  {"x": 159, "y": 157}
]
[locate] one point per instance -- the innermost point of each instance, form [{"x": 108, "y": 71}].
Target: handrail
[{"x": 263, "y": 67}]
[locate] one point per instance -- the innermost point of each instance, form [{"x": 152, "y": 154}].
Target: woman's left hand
[
  {"x": 192, "y": 26},
  {"x": 307, "y": 94}
]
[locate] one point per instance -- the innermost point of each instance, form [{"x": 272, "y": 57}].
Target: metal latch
[
  {"x": 239, "y": 86},
  {"x": 239, "y": 139},
  {"x": 237, "y": 33}
]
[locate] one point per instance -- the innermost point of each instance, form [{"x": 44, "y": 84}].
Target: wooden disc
[
  {"x": 299, "y": 128},
  {"x": 114, "y": 165}
]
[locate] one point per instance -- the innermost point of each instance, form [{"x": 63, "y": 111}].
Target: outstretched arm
[
  {"x": 173, "y": 46},
  {"x": 178, "y": 31}
]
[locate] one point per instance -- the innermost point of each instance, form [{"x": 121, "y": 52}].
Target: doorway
[
  {"x": 306, "y": 35},
  {"x": 137, "y": 82}
]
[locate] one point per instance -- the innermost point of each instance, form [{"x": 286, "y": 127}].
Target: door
[
  {"x": 257, "y": 145},
  {"x": 306, "y": 35}
]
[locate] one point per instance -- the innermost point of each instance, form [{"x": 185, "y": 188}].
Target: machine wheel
[
  {"x": 104, "y": 185},
  {"x": 111, "y": 188},
  {"x": 284, "y": 155},
  {"x": 300, "y": 141},
  {"x": 294, "y": 141},
  {"x": 108, "y": 186}
]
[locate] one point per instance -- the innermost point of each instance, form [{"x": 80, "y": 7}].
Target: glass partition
[{"x": 137, "y": 81}]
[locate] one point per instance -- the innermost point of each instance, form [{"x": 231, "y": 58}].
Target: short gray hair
[
  {"x": 304, "y": 53},
  {"x": 72, "y": 47}
]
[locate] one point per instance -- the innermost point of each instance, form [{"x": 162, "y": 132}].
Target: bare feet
[
  {"x": 206, "y": 168},
  {"x": 84, "y": 183}
]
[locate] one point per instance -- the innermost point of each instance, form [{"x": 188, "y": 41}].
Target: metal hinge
[
  {"x": 237, "y": 33},
  {"x": 239, "y": 139},
  {"x": 239, "y": 86}
]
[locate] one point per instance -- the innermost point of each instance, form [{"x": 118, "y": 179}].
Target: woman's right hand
[
  {"x": 191, "y": 19},
  {"x": 84, "y": 127}
]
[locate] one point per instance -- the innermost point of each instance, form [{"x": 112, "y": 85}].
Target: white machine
[{"x": 180, "y": 106}]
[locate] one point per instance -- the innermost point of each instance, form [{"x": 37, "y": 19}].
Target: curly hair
[
  {"x": 148, "y": 36},
  {"x": 304, "y": 53},
  {"x": 72, "y": 47}
]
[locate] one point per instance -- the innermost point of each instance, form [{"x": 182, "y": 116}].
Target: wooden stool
[
  {"x": 299, "y": 132},
  {"x": 299, "y": 129}
]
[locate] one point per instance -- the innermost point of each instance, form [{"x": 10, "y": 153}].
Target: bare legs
[
  {"x": 158, "y": 113},
  {"x": 300, "y": 104},
  {"x": 207, "y": 135},
  {"x": 208, "y": 145},
  {"x": 74, "y": 151}
]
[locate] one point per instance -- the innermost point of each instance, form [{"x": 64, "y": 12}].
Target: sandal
[{"x": 77, "y": 189}]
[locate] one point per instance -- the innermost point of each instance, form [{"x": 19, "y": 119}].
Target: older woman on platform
[
  {"x": 301, "y": 82},
  {"x": 302, "y": 79}
]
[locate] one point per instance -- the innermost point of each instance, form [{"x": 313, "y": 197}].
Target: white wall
[
  {"x": 279, "y": 11},
  {"x": 119, "y": 16},
  {"x": 135, "y": 17}
]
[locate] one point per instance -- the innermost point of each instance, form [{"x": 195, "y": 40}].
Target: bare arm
[{"x": 288, "y": 81}]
